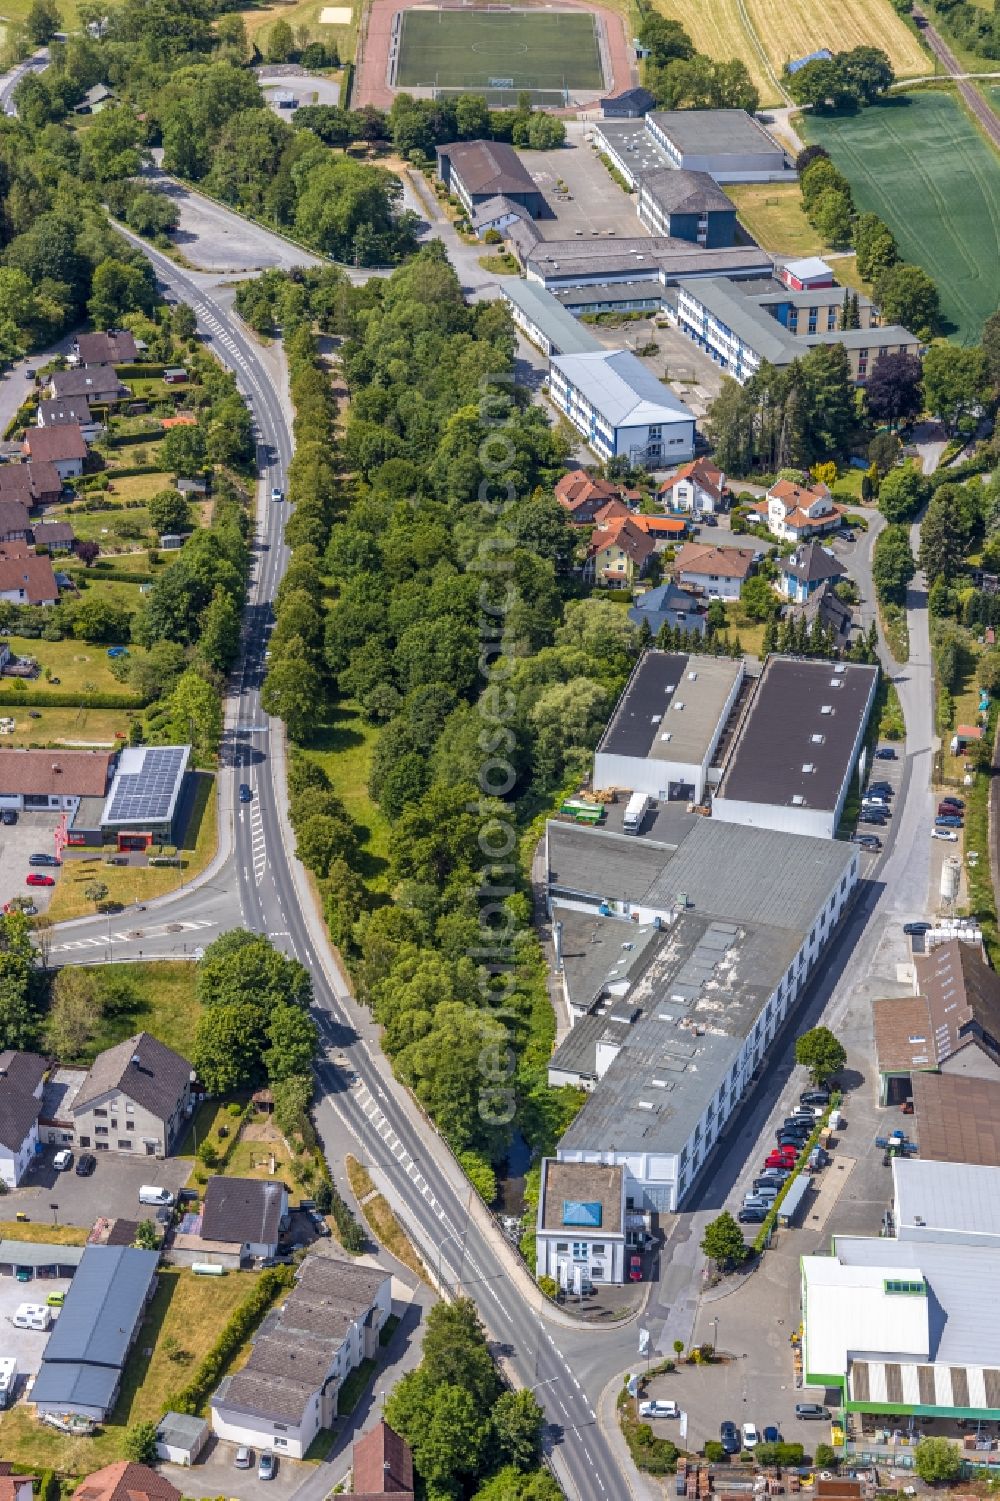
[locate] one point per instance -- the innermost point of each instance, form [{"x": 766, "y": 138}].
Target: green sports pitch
[{"x": 499, "y": 51}]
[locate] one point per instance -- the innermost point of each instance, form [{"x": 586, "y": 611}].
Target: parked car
[
  {"x": 953, "y": 802},
  {"x": 635, "y": 1269},
  {"x": 885, "y": 787},
  {"x": 869, "y": 842},
  {"x": 10, "y": 815},
  {"x": 771, "y": 1180},
  {"x": 914, "y": 929},
  {"x": 873, "y": 820},
  {"x": 817, "y": 1096},
  {"x": 40, "y": 859},
  {"x": 34, "y": 879},
  {"x": 243, "y": 1458},
  {"x": 751, "y": 1438},
  {"x": 246, "y": 796},
  {"x": 86, "y": 1162},
  {"x": 55, "y": 1300},
  {"x": 885, "y": 753},
  {"x": 117, "y": 651},
  {"x": 811, "y": 1410},
  {"x": 757, "y": 1201},
  {"x": 765, "y": 1191},
  {"x": 874, "y": 800},
  {"x": 803, "y": 1119},
  {"x": 267, "y": 1466},
  {"x": 949, "y": 821},
  {"x": 787, "y": 1139},
  {"x": 63, "y": 1160},
  {"x": 750, "y": 1216},
  {"x": 659, "y": 1409},
  {"x": 772, "y": 1434},
  {"x": 729, "y": 1435},
  {"x": 947, "y": 834}
]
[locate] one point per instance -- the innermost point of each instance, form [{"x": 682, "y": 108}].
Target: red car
[
  {"x": 635, "y": 1269},
  {"x": 35, "y": 879},
  {"x": 781, "y": 1159}
]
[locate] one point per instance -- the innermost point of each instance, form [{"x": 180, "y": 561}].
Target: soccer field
[
  {"x": 923, "y": 167},
  {"x": 476, "y": 49}
]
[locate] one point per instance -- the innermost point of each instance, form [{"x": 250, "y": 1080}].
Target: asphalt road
[
  {"x": 259, "y": 872},
  {"x": 9, "y": 81}
]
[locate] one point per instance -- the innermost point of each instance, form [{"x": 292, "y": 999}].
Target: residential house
[
  {"x": 715, "y": 572},
  {"x": 31, "y": 484},
  {"x": 302, "y": 1354},
  {"x": 476, "y": 171},
  {"x": 14, "y": 523},
  {"x": 833, "y": 615},
  {"x": 28, "y": 581},
  {"x": 21, "y": 1078},
  {"x": 381, "y": 1465},
  {"x": 97, "y": 1326},
  {"x": 15, "y": 1487},
  {"x": 56, "y": 779},
  {"x": 62, "y": 446},
  {"x": 580, "y": 1224},
  {"x": 72, "y": 410},
  {"x": 583, "y": 495},
  {"x": 498, "y": 214},
  {"x": 794, "y": 513},
  {"x": 245, "y": 1213},
  {"x": 54, "y": 536},
  {"x": 621, "y": 408},
  {"x": 175, "y": 375},
  {"x": 99, "y": 383},
  {"x": 629, "y": 104},
  {"x": 807, "y": 571},
  {"x": 612, "y": 510},
  {"x": 669, "y": 605},
  {"x": 663, "y": 531},
  {"x": 698, "y": 487},
  {"x": 94, "y": 100},
  {"x": 136, "y": 1098},
  {"x": 114, "y": 347},
  {"x": 125, "y": 1481},
  {"x": 618, "y": 553}
]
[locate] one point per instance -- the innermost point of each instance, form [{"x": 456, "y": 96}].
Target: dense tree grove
[
  {"x": 789, "y": 417},
  {"x": 682, "y": 78},
  {"x": 847, "y": 80}
]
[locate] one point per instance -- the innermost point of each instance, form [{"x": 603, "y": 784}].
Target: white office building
[{"x": 621, "y": 408}]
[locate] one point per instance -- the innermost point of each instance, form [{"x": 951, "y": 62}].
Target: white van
[
  {"x": 32, "y": 1316},
  {"x": 150, "y": 1194}
]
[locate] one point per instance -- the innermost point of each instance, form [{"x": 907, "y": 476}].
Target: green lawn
[
  {"x": 80, "y": 668},
  {"x": 920, "y": 163},
  {"x": 470, "y": 49},
  {"x": 183, "y": 1321},
  {"x": 166, "y": 1006},
  {"x": 80, "y": 727},
  {"x": 344, "y": 748},
  {"x": 773, "y": 213}
]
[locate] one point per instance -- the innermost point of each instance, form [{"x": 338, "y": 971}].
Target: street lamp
[
  {"x": 715, "y": 1334},
  {"x": 55, "y": 1214}
]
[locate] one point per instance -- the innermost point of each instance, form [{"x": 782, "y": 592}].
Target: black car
[
  {"x": 954, "y": 802},
  {"x": 85, "y": 1164},
  {"x": 811, "y": 1410},
  {"x": 728, "y": 1432},
  {"x": 793, "y": 1139},
  {"x": 914, "y": 929},
  {"x": 10, "y": 815},
  {"x": 796, "y": 1124},
  {"x": 751, "y": 1214},
  {"x": 885, "y": 753},
  {"x": 815, "y": 1097},
  {"x": 881, "y": 789},
  {"x": 876, "y": 820},
  {"x": 44, "y": 860}
]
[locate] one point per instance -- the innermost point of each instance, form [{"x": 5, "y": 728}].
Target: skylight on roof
[
  {"x": 817, "y": 739},
  {"x": 808, "y": 766}
]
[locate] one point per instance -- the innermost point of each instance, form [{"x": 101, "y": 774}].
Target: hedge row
[
  {"x": 32, "y": 700},
  {"x": 772, "y": 1215},
  {"x": 94, "y": 575},
  {"x": 126, "y": 440},
  {"x": 241, "y": 1324}
]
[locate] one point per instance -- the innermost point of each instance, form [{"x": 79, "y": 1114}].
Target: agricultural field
[
  {"x": 469, "y": 49},
  {"x": 792, "y": 28},
  {"x": 922, "y": 165},
  {"x": 718, "y": 29}
]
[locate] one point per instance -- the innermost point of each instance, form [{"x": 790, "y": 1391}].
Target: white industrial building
[
  {"x": 621, "y": 408},
  {"x": 701, "y": 945},
  {"x": 904, "y": 1325},
  {"x": 666, "y": 728},
  {"x": 544, "y": 320},
  {"x": 791, "y": 765},
  {"x": 727, "y": 143},
  {"x": 581, "y": 1223}
]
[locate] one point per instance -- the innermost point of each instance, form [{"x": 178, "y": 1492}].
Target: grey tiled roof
[
  {"x": 242, "y": 1210},
  {"x": 144, "y": 1069}
]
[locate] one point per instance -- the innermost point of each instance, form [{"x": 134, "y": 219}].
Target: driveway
[
  {"x": 32, "y": 832},
  {"x": 111, "y": 1191},
  {"x": 215, "y": 1475}
]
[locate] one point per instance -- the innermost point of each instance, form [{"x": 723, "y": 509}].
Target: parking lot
[
  {"x": 33, "y": 831},
  {"x": 593, "y": 203},
  {"x": 111, "y": 1190},
  {"x": 26, "y": 1345}
]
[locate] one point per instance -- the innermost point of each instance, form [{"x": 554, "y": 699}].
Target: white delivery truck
[
  {"x": 635, "y": 812},
  {"x": 8, "y": 1380}
]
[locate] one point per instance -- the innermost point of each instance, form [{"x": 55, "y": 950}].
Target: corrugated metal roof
[
  {"x": 560, "y": 327},
  {"x": 953, "y": 1201},
  {"x": 620, "y": 387},
  {"x": 102, "y": 1305}
]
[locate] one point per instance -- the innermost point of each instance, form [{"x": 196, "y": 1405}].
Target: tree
[
  {"x": 139, "y": 1443},
  {"x": 183, "y": 323},
  {"x": 905, "y": 294},
  {"x": 293, "y": 1039},
  {"x": 937, "y": 1459},
  {"x": 98, "y": 619},
  {"x": 74, "y": 1014},
  {"x": 96, "y": 892},
  {"x": 292, "y": 689},
  {"x": 87, "y": 551},
  {"x": 193, "y": 712},
  {"x": 517, "y": 1427},
  {"x": 883, "y": 451},
  {"x": 183, "y": 452},
  {"x": 991, "y": 348},
  {"x": 219, "y": 632},
  {"x": 509, "y": 1484},
  {"x": 117, "y": 289},
  {"x": 280, "y": 43},
  {"x": 169, "y": 512},
  {"x": 758, "y": 600},
  {"x": 902, "y": 494},
  {"x": 43, "y": 21},
  {"x": 821, "y": 1053},
  {"x": 723, "y": 1242},
  {"x": 152, "y": 213},
  {"x": 893, "y": 391},
  {"x": 18, "y": 1016},
  {"x": 831, "y": 215},
  {"x": 942, "y": 538},
  {"x": 956, "y": 385},
  {"x": 147, "y": 1236},
  {"x": 323, "y": 838},
  {"x": 893, "y": 565},
  {"x": 874, "y": 245}
]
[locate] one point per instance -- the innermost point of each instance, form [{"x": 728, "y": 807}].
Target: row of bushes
[
  {"x": 26, "y": 698},
  {"x": 242, "y": 1322},
  {"x": 101, "y": 571},
  {"x": 803, "y": 1157}
]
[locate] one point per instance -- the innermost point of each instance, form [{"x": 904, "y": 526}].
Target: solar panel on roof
[{"x": 149, "y": 792}]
